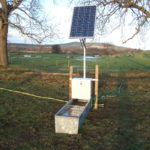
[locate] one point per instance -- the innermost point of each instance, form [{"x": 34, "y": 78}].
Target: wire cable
[{"x": 33, "y": 95}]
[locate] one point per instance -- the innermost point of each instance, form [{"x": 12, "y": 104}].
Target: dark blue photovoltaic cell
[{"x": 83, "y": 22}]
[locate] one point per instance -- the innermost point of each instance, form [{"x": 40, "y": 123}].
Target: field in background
[
  {"x": 123, "y": 63},
  {"x": 27, "y": 123}
]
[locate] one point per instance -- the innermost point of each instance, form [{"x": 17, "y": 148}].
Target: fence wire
[
  {"x": 113, "y": 70},
  {"x": 48, "y": 62}
]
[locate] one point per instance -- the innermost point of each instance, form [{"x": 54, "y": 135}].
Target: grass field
[
  {"x": 27, "y": 123},
  {"x": 59, "y": 62}
]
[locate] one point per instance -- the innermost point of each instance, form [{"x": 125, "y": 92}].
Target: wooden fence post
[
  {"x": 96, "y": 86},
  {"x": 70, "y": 81}
]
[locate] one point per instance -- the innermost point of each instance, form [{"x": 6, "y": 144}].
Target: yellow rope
[{"x": 28, "y": 94}]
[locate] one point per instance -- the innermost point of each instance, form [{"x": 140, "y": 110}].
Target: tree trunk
[{"x": 3, "y": 44}]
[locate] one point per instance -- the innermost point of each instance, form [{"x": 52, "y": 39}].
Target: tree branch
[
  {"x": 138, "y": 29},
  {"x": 14, "y": 5},
  {"x": 22, "y": 30},
  {"x": 110, "y": 11},
  {"x": 29, "y": 16},
  {"x": 139, "y": 8}
]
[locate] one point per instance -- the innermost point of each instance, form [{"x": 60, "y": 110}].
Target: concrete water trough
[{"x": 71, "y": 116}]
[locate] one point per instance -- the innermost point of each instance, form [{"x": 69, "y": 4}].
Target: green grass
[
  {"x": 60, "y": 62},
  {"x": 27, "y": 123}
]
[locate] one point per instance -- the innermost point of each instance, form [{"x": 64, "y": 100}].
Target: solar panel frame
[{"x": 79, "y": 21}]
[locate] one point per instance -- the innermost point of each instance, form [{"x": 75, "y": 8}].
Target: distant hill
[{"x": 72, "y": 48}]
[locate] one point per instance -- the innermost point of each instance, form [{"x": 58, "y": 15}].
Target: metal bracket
[{"x": 94, "y": 79}]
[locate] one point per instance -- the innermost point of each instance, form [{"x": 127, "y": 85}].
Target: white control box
[{"x": 82, "y": 88}]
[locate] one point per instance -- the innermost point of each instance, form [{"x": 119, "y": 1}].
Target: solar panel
[{"x": 83, "y": 22}]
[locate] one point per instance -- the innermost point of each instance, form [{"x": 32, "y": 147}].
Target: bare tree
[
  {"x": 121, "y": 13},
  {"x": 25, "y": 16}
]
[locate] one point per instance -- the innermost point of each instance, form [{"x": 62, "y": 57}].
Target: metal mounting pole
[
  {"x": 84, "y": 68},
  {"x": 84, "y": 57}
]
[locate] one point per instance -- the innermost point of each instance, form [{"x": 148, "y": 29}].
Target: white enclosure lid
[{"x": 81, "y": 79}]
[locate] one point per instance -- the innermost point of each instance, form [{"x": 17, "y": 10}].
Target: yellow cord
[{"x": 24, "y": 93}]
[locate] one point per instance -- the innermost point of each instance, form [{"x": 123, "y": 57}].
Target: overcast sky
[{"x": 62, "y": 15}]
